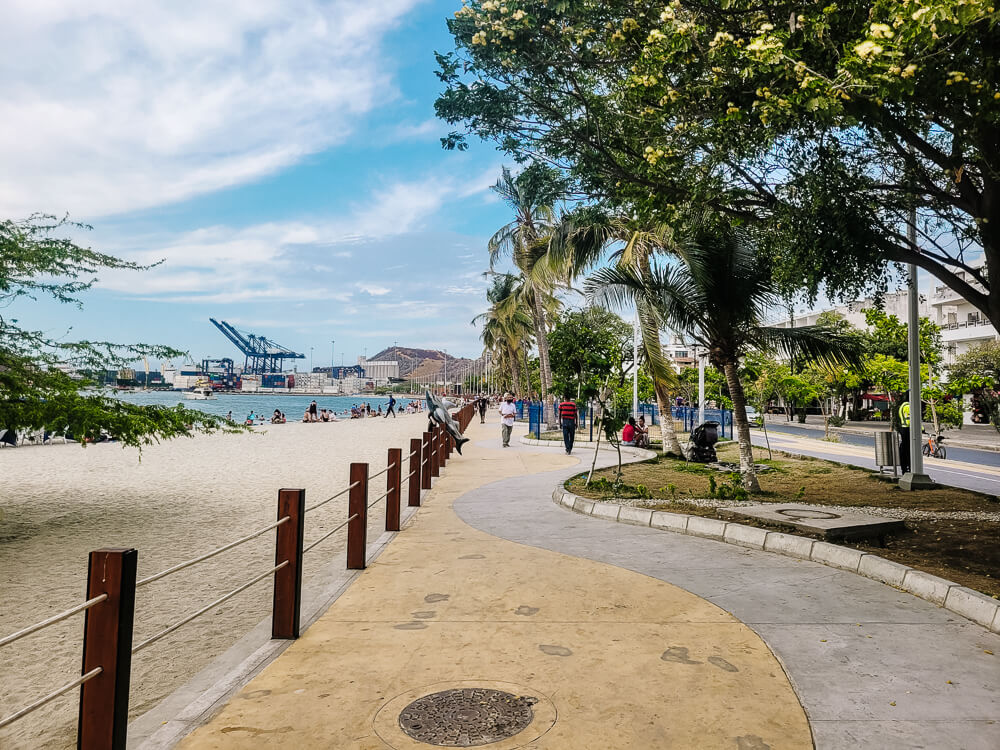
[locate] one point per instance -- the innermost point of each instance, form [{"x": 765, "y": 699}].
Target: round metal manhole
[
  {"x": 466, "y": 717},
  {"x": 806, "y": 513}
]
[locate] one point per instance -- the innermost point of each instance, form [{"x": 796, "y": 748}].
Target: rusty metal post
[
  {"x": 357, "y": 529},
  {"x": 426, "y": 456},
  {"x": 395, "y": 464},
  {"x": 288, "y": 581},
  {"x": 413, "y": 488},
  {"x": 107, "y": 643}
]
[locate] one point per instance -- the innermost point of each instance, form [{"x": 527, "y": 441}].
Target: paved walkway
[{"x": 628, "y": 637}]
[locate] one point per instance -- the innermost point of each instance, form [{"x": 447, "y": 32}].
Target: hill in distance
[{"x": 424, "y": 363}]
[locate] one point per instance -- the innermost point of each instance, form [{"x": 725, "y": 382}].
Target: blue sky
[{"x": 281, "y": 157}]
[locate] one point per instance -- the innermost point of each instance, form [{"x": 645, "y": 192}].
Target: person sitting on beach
[
  {"x": 276, "y": 417},
  {"x": 628, "y": 434},
  {"x": 313, "y": 412},
  {"x": 250, "y": 418}
]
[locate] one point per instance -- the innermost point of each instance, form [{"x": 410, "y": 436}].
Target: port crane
[{"x": 262, "y": 354}]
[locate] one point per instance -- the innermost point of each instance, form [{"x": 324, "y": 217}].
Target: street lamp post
[
  {"x": 310, "y": 360},
  {"x": 915, "y": 478}
]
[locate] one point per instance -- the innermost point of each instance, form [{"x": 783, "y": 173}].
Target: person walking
[
  {"x": 568, "y": 415},
  {"x": 391, "y": 408},
  {"x": 482, "y": 403},
  {"x": 904, "y": 437},
  {"x": 507, "y": 413}
]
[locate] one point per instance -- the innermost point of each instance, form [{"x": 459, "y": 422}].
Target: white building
[
  {"x": 962, "y": 325},
  {"x": 854, "y": 312},
  {"x": 379, "y": 371}
]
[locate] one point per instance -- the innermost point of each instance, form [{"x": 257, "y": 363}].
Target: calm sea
[{"x": 241, "y": 405}]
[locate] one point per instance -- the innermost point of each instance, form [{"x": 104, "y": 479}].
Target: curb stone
[{"x": 970, "y": 604}]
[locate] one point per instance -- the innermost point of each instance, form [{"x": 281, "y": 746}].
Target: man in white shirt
[{"x": 507, "y": 413}]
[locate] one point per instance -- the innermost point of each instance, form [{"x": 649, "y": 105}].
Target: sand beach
[{"x": 174, "y": 501}]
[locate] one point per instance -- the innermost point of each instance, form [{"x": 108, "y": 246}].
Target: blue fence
[
  {"x": 534, "y": 420},
  {"x": 689, "y": 417}
]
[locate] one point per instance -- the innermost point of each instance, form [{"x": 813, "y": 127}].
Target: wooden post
[
  {"x": 395, "y": 464},
  {"x": 436, "y": 452},
  {"x": 288, "y": 581},
  {"x": 357, "y": 530},
  {"x": 107, "y": 643},
  {"x": 426, "y": 456},
  {"x": 413, "y": 488}
]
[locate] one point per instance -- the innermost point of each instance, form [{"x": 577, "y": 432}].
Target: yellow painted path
[{"x": 615, "y": 659}]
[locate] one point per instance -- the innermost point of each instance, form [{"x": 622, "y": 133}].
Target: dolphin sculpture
[{"x": 438, "y": 412}]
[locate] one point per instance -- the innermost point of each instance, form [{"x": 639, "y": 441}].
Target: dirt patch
[{"x": 964, "y": 551}]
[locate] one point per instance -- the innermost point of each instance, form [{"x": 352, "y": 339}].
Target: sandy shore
[{"x": 183, "y": 498}]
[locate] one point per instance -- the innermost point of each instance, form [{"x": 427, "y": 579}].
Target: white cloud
[
  {"x": 111, "y": 106},
  {"x": 373, "y": 289}
]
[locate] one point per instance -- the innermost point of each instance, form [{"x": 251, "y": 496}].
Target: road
[
  {"x": 978, "y": 476},
  {"x": 966, "y": 455}
]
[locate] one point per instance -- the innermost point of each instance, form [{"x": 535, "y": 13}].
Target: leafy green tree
[
  {"x": 715, "y": 386},
  {"x": 42, "y": 385},
  {"x": 887, "y": 335},
  {"x": 824, "y": 122},
  {"x": 977, "y": 371},
  {"x": 718, "y": 294},
  {"x": 584, "y": 346}
]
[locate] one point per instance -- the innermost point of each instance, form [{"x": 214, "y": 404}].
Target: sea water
[{"x": 260, "y": 404}]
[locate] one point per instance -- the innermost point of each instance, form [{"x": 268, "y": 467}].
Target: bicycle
[{"x": 933, "y": 446}]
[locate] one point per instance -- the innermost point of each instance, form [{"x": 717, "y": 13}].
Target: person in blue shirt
[{"x": 391, "y": 409}]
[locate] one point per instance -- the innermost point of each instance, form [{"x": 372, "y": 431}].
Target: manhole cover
[
  {"x": 805, "y": 513},
  {"x": 466, "y": 717}
]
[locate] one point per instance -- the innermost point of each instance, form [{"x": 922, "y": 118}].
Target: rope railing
[
  {"x": 321, "y": 503},
  {"x": 52, "y": 620},
  {"x": 376, "y": 476},
  {"x": 328, "y": 534},
  {"x": 379, "y": 499},
  {"x": 167, "y": 631},
  {"x": 213, "y": 553},
  {"x": 109, "y": 608},
  {"x": 51, "y": 697}
]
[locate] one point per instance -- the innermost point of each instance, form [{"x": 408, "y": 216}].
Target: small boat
[{"x": 201, "y": 392}]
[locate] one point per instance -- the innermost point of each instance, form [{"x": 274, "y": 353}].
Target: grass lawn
[{"x": 964, "y": 551}]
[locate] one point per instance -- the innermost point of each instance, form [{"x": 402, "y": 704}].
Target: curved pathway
[
  {"x": 614, "y": 658},
  {"x": 872, "y": 666}
]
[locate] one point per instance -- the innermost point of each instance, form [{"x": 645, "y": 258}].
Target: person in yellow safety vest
[{"x": 904, "y": 437}]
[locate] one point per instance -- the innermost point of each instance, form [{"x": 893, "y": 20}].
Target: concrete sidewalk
[
  {"x": 626, "y": 637},
  {"x": 614, "y": 659}
]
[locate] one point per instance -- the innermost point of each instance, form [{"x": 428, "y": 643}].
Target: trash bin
[{"x": 886, "y": 450}]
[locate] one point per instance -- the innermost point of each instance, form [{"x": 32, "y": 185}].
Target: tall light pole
[
  {"x": 332, "y": 359},
  {"x": 701, "y": 385},
  {"x": 310, "y": 360},
  {"x": 635, "y": 365},
  {"x": 915, "y": 478}
]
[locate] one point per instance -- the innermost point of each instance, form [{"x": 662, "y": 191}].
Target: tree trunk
[
  {"x": 668, "y": 430},
  {"x": 515, "y": 370},
  {"x": 747, "y": 470},
  {"x": 545, "y": 373}
]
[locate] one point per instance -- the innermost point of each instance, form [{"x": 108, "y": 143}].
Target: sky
[{"x": 279, "y": 160}]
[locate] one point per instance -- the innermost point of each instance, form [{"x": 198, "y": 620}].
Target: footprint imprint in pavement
[
  {"x": 751, "y": 742},
  {"x": 411, "y": 626},
  {"x": 526, "y": 610},
  {"x": 678, "y": 654},
  {"x": 432, "y": 598},
  {"x": 472, "y": 557},
  {"x": 554, "y": 650},
  {"x": 425, "y": 615},
  {"x": 721, "y": 663}
]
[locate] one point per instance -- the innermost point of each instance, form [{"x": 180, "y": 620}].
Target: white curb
[{"x": 973, "y": 605}]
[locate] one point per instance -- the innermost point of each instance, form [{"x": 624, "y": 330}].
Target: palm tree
[
  {"x": 532, "y": 195},
  {"x": 508, "y": 329},
  {"x": 718, "y": 293},
  {"x": 582, "y": 238}
]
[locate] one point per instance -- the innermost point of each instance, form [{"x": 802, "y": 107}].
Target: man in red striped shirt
[{"x": 568, "y": 417}]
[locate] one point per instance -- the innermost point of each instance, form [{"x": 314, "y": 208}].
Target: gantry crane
[{"x": 262, "y": 354}]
